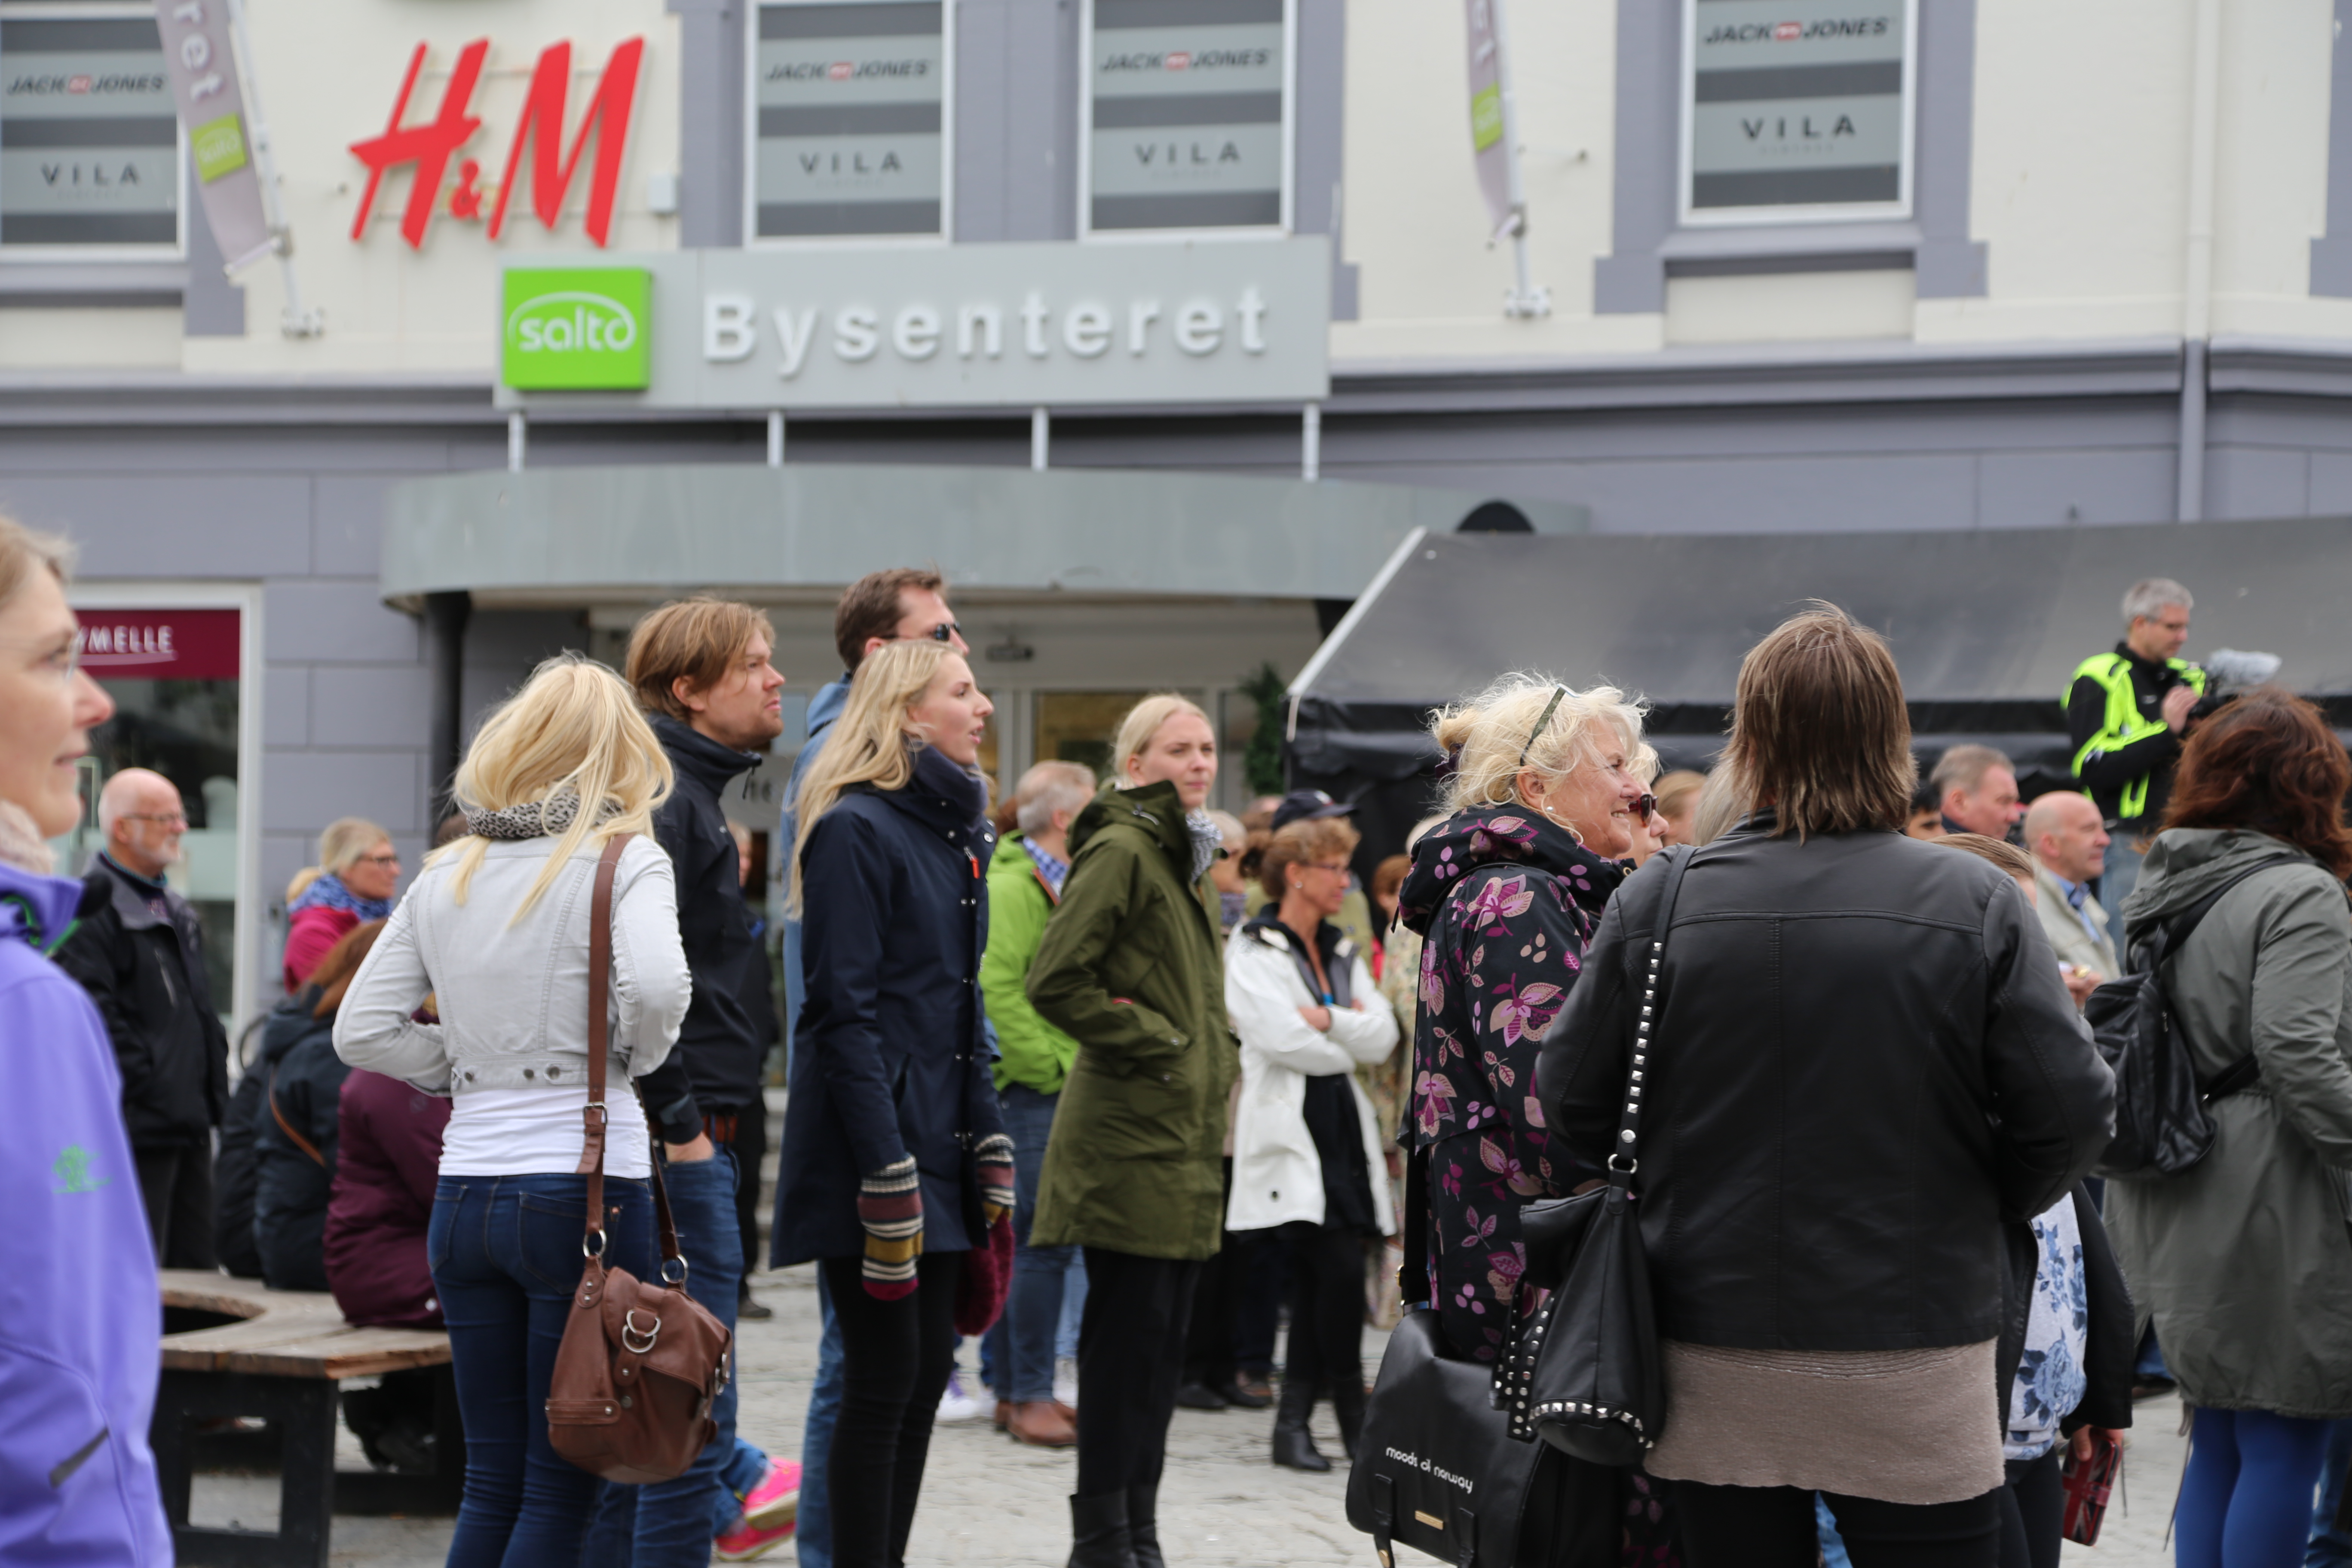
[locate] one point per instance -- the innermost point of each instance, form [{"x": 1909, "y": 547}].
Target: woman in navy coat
[{"x": 895, "y": 1161}]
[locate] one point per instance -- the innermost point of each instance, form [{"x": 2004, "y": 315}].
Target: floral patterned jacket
[{"x": 1506, "y": 903}]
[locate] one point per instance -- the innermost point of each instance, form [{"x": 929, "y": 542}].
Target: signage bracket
[{"x": 296, "y": 320}]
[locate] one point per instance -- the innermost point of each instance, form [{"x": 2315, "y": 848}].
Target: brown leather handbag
[{"x": 641, "y": 1360}]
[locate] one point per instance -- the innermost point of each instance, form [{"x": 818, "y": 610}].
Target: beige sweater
[{"x": 1903, "y": 1427}]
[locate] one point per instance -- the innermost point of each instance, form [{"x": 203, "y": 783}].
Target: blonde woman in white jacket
[
  {"x": 497, "y": 928},
  {"x": 1307, "y": 1158}
]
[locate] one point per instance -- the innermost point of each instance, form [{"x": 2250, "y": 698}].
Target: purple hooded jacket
[{"x": 79, "y": 1360}]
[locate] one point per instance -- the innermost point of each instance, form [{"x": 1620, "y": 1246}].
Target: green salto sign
[{"x": 585, "y": 328}]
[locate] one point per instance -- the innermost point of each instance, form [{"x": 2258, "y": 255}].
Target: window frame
[
  {"x": 1281, "y": 229},
  {"x": 177, "y": 251},
  {"x": 751, "y": 237},
  {"x": 1900, "y": 210}
]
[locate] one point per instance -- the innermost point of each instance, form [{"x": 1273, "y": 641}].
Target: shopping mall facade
[{"x": 1157, "y": 324}]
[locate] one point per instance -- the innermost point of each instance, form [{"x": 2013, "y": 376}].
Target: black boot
[
  {"x": 1347, "y": 1405},
  {"x": 1099, "y": 1534},
  {"x": 1143, "y": 1525},
  {"x": 1293, "y": 1447}
]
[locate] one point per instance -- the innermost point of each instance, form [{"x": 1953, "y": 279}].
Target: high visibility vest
[{"x": 2125, "y": 722}]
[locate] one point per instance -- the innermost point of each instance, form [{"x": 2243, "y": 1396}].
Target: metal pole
[
  {"x": 1527, "y": 300},
  {"x": 2197, "y": 261},
  {"x": 518, "y": 434},
  {"x": 775, "y": 438},
  {"x": 1310, "y": 444},
  {"x": 445, "y": 614},
  {"x": 1041, "y": 433},
  {"x": 295, "y": 321}
]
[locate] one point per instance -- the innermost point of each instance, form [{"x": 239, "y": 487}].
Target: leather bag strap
[
  {"x": 288, "y": 1127},
  {"x": 594, "y": 1117},
  {"x": 1642, "y": 978}
]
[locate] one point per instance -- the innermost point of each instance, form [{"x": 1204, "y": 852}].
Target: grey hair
[
  {"x": 1047, "y": 788},
  {"x": 1230, "y": 829},
  {"x": 2150, "y": 594},
  {"x": 1964, "y": 767}
]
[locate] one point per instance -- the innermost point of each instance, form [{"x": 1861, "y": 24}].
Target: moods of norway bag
[
  {"x": 1584, "y": 1373},
  {"x": 2161, "y": 1125},
  {"x": 641, "y": 1360}
]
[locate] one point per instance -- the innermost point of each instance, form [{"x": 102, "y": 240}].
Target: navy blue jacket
[{"x": 887, "y": 1057}]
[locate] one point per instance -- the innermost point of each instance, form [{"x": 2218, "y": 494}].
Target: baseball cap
[{"x": 1307, "y": 805}]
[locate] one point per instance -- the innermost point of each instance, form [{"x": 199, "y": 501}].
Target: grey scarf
[
  {"x": 1207, "y": 840},
  {"x": 532, "y": 819}
]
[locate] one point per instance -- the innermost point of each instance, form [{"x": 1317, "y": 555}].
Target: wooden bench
[{"x": 280, "y": 1355}]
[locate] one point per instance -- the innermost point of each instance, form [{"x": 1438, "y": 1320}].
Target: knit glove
[
  {"x": 994, "y": 1158},
  {"x": 890, "y": 1208}
]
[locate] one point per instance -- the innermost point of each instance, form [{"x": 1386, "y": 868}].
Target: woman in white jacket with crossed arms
[{"x": 1307, "y": 1158}]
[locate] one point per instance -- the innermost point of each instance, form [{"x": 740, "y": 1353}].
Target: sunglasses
[
  {"x": 946, "y": 631},
  {"x": 1646, "y": 807}
]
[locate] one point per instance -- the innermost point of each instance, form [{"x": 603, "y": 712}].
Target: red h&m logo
[{"x": 429, "y": 147}]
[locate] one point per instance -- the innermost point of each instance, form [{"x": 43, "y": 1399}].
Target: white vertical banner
[
  {"x": 1490, "y": 142},
  {"x": 201, "y": 64}
]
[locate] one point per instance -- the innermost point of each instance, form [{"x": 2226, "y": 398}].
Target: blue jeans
[
  {"x": 744, "y": 1469},
  {"x": 1833, "y": 1543},
  {"x": 2245, "y": 1499},
  {"x": 813, "y": 1538},
  {"x": 2330, "y": 1547},
  {"x": 668, "y": 1523},
  {"x": 2118, "y": 876},
  {"x": 506, "y": 1256},
  {"x": 1020, "y": 1348}
]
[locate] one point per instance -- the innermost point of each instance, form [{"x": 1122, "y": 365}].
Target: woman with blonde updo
[{"x": 357, "y": 874}]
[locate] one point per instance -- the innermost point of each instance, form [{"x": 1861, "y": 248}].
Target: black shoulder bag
[
  {"x": 2161, "y": 1125},
  {"x": 1584, "y": 1372}
]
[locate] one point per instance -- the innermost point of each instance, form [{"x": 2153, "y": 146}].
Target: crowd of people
[{"x": 1098, "y": 1047}]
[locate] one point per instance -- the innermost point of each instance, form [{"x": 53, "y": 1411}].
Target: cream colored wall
[{"x": 329, "y": 72}]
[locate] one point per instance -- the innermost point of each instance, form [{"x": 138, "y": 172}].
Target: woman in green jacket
[
  {"x": 1132, "y": 968},
  {"x": 2243, "y": 1259}
]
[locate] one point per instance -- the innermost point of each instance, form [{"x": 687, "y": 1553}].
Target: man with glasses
[
  {"x": 901, "y": 604},
  {"x": 139, "y": 953}
]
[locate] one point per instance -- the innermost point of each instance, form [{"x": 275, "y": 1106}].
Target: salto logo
[{"x": 577, "y": 328}]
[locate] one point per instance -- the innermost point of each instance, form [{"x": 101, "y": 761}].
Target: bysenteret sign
[
  {"x": 576, "y": 328},
  {"x": 956, "y": 326}
]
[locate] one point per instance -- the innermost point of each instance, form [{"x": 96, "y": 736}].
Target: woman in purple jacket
[{"x": 79, "y": 1362}]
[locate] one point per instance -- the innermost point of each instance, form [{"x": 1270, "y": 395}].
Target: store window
[
  {"x": 850, "y": 133},
  {"x": 175, "y": 678},
  {"x": 1796, "y": 108},
  {"x": 1080, "y": 726},
  {"x": 1188, "y": 115},
  {"x": 89, "y": 140}
]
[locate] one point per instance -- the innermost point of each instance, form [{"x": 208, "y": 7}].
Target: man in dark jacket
[
  {"x": 701, "y": 670},
  {"x": 141, "y": 956}
]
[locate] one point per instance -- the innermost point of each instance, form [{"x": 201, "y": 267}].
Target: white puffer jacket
[{"x": 1278, "y": 1177}]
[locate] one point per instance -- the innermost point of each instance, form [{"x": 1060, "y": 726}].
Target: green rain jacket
[
  {"x": 2243, "y": 1259},
  {"x": 1132, "y": 966},
  {"x": 1035, "y": 1054}
]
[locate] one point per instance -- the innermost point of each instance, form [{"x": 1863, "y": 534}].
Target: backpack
[{"x": 2161, "y": 1125}]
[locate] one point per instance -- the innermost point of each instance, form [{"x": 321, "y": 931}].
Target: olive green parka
[{"x": 1132, "y": 967}]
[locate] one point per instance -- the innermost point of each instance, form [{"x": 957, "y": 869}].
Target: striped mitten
[
  {"x": 890, "y": 1208},
  {"x": 994, "y": 1158}
]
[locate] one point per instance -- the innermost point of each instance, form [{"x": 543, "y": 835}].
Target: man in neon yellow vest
[{"x": 2126, "y": 712}]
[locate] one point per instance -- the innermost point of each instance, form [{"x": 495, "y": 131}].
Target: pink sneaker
[
  {"x": 748, "y": 1541},
  {"x": 777, "y": 1500}
]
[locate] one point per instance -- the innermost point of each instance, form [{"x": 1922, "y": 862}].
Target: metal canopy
[{"x": 626, "y": 532}]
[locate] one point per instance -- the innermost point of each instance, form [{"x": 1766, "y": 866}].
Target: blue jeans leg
[
  {"x": 813, "y": 1538},
  {"x": 1833, "y": 1543},
  {"x": 2331, "y": 1547},
  {"x": 744, "y": 1469},
  {"x": 2118, "y": 877},
  {"x": 506, "y": 1256},
  {"x": 1032, "y": 1309},
  {"x": 666, "y": 1524}
]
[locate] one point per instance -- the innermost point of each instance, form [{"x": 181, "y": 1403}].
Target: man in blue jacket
[{"x": 896, "y": 605}]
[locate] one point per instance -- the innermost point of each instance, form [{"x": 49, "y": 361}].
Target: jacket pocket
[{"x": 1150, "y": 1112}]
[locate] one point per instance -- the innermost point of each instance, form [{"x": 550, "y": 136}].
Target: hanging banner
[
  {"x": 202, "y": 65},
  {"x": 1489, "y": 149}
]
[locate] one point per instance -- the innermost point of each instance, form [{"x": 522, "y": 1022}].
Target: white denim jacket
[{"x": 513, "y": 997}]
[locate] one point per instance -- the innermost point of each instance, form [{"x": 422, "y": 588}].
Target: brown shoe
[
  {"x": 1042, "y": 1424},
  {"x": 1004, "y": 1413}
]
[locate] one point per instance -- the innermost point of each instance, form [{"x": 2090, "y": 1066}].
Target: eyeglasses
[
  {"x": 168, "y": 819},
  {"x": 378, "y": 860},
  {"x": 1338, "y": 866},
  {"x": 62, "y": 660}
]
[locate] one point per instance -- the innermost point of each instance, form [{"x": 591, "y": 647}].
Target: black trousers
[
  {"x": 895, "y": 1361},
  {"x": 745, "y": 1133},
  {"x": 1130, "y": 1359},
  {"x": 1216, "y": 1303},
  {"x": 2033, "y": 1513},
  {"x": 1772, "y": 1527},
  {"x": 1327, "y": 1312},
  {"x": 175, "y": 1181}
]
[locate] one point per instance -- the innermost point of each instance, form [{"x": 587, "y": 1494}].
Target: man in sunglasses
[
  {"x": 882, "y": 608},
  {"x": 139, "y": 953}
]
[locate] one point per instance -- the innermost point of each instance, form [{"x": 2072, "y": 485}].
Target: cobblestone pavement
[{"x": 990, "y": 1501}]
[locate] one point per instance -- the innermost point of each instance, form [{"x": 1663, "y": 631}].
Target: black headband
[{"x": 1549, "y": 707}]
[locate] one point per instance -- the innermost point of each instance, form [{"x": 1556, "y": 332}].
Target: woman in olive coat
[
  {"x": 1132, "y": 968},
  {"x": 2243, "y": 1259}
]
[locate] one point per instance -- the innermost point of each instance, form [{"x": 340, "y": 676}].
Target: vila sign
[
  {"x": 974, "y": 326},
  {"x": 426, "y": 149}
]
